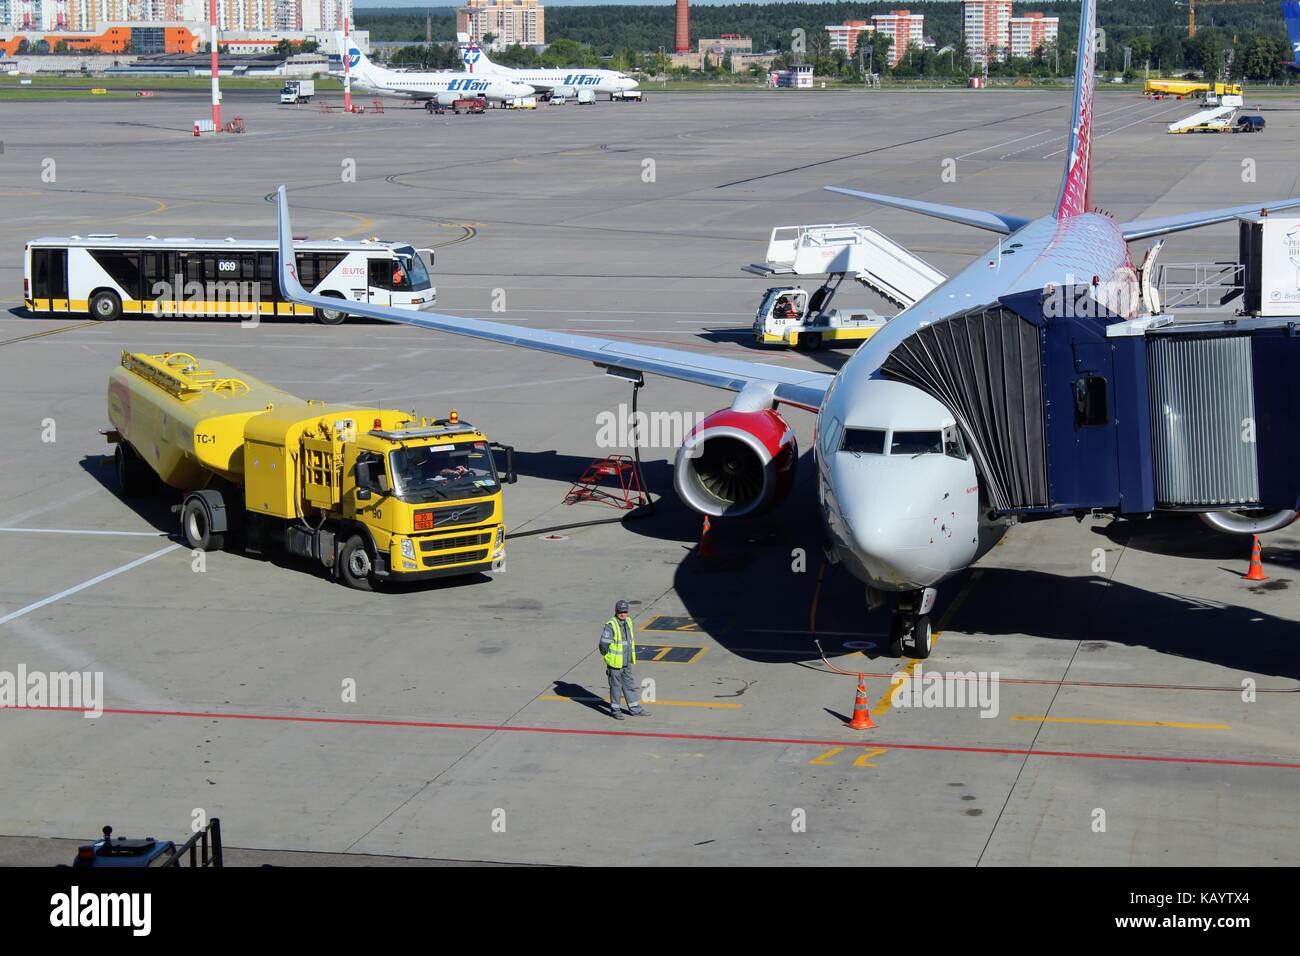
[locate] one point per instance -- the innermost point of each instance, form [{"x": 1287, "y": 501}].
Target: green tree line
[{"x": 1251, "y": 35}]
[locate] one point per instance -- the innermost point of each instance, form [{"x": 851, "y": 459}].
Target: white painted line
[
  {"x": 124, "y": 534},
  {"x": 13, "y": 519},
  {"x": 600, "y": 320},
  {"x": 14, "y": 615}
]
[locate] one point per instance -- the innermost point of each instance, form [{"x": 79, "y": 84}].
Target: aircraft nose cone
[
  {"x": 891, "y": 546},
  {"x": 630, "y": 84}
]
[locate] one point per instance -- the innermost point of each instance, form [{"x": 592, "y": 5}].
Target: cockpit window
[
  {"x": 954, "y": 446},
  {"x": 917, "y": 443},
  {"x": 864, "y": 441}
]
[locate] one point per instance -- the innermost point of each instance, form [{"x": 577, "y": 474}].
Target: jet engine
[
  {"x": 736, "y": 463},
  {"x": 569, "y": 91},
  {"x": 1249, "y": 522}
]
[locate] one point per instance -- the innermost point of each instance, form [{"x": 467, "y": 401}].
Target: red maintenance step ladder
[{"x": 620, "y": 468}]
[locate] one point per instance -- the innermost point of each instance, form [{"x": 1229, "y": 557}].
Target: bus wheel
[
  {"x": 106, "y": 306},
  {"x": 355, "y": 565},
  {"x": 331, "y": 316}
]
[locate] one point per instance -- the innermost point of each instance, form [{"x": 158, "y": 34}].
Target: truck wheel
[
  {"x": 106, "y": 306},
  {"x": 132, "y": 473},
  {"x": 331, "y": 316},
  {"x": 196, "y": 526},
  {"x": 356, "y": 565},
  {"x": 809, "y": 342}
]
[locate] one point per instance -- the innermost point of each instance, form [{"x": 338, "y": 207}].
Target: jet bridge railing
[{"x": 1199, "y": 285}]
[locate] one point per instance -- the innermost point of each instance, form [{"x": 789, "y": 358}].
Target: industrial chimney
[{"x": 683, "y": 43}]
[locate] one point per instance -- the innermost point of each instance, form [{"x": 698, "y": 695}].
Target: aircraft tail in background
[
  {"x": 1076, "y": 185},
  {"x": 1291, "y": 14}
]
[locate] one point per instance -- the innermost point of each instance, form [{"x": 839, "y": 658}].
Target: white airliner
[
  {"x": 558, "y": 82},
  {"x": 441, "y": 89},
  {"x": 912, "y": 488}
]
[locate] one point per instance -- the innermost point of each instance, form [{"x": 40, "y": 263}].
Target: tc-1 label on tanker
[{"x": 201, "y": 439}]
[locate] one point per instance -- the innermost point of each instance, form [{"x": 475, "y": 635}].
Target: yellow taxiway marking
[
  {"x": 863, "y": 760},
  {"x": 1124, "y": 723},
  {"x": 663, "y": 650},
  {"x": 823, "y": 759},
  {"x": 649, "y": 703}
]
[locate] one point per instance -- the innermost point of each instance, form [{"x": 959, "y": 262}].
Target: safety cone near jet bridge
[
  {"x": 862, "y": 708},
  {"x": 706, "y": 546},
  {"x": 1256, "y": 572}
]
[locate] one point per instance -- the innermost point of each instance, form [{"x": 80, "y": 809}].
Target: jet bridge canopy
[{"x": 1079, "y": 412}]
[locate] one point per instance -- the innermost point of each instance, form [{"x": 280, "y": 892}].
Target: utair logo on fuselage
[
  {"x": 468, "y": 86},
  {"x": 354, "y": 58},
  {"x": 581, "y": 79}
]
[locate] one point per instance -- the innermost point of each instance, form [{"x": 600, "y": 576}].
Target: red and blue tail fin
[{"x": 1076, "y": 186}]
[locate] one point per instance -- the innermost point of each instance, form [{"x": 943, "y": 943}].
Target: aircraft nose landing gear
[{"x": 909, "y": 628}]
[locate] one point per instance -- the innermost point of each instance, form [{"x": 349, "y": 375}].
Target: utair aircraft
[
  {"x": 556, "y": 82},
  {"x": 912, "y": 490},
  {"x": 441, "y": 89}
]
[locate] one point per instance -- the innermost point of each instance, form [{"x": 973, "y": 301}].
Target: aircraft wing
[
  {"x": 1146, "y": 228},
  {"x": 790, "y": 386},
  {"x": 992, "y": 221}
]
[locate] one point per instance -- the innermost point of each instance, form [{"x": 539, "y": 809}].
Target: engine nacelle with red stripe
[{"x": 736, "y": 463}]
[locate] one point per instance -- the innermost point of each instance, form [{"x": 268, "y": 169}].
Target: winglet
[{"x": 290, "y": 287}]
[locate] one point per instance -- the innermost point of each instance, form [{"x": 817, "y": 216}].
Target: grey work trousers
[{"x": 622, "y": 684}]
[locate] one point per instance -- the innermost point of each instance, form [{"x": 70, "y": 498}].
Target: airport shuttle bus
[{"x": 109, "y": 276}]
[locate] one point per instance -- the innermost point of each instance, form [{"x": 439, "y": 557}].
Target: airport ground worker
[{"x": 618, "y": 647}]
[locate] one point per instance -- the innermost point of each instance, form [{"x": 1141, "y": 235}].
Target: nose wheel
[{"x": 910, "y": 631}]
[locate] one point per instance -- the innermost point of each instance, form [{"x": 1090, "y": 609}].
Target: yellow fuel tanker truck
[{"x": 373, "y": 494}]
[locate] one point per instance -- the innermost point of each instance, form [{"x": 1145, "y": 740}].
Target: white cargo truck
[{"x": 298, "y": 91}]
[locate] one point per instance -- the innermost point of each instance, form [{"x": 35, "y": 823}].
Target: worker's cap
[{"x": 621, "y": 607}]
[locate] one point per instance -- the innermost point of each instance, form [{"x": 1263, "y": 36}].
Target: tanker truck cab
[
  {"x": 374, "y": 495},
  {"x": 428, "y": 495}
]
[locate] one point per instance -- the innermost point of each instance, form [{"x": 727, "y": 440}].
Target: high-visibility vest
[{"x": 614, "y": 656}]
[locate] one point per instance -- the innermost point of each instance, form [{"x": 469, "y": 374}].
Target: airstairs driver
[{"x": 618, "y": 647}]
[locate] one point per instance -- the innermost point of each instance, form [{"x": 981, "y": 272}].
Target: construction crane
[{"x": 1191, "y": 11}]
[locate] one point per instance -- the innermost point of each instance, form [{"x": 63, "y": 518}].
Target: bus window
[
  {"x": 157, "y": 275},
  {"x": 50, "y": 274},
  {"x": 382, "y": 272},
  {"x": 267, "y": 269},
  {"x": 326, "y": 262},
  {"x": 416, "y": 272},
  {"x": 122, "y": 267}
]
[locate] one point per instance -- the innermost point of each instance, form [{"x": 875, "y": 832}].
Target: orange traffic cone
[
  {"x": 861, "y": 709},
  {"x": 706, "y": 546},
  {"x": 1256, "y": 572}
]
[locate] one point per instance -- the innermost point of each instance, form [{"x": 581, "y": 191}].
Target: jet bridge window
[
  {"x": 864, "y": 441},
  {"x": 917, "y": 443},
  {"x": 1090, "y": 402}
]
